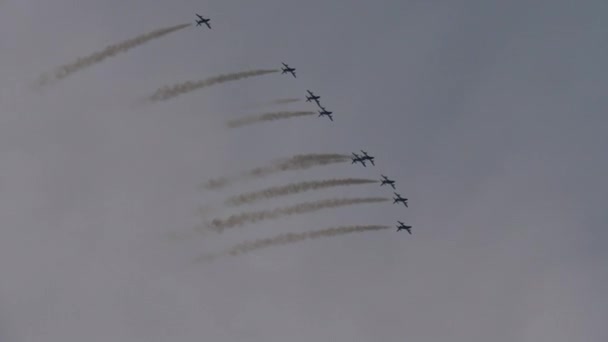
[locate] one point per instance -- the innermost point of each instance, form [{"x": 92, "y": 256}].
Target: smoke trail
[
  {"x": 289, "y": 238},
  {"x": 168, "y": 92},
  {"x": 283, "y": 101},
  {"x": 294, "y": 188},
  {"x": 297, "y": 162},
  {"x": 301, "y": 208},
  {"x": 275, "y": 102},
  {"x": 97, "y": 57},
  {"x": 265, "y": 117}
]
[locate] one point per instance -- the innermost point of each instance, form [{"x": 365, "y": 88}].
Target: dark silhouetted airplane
[
  {"x": 357, "y": 158},
  {"x": 387, "y": 181},
  {"x": 287, "y": 69},
  {"x": 367, "y": 157},
  {"x": 400, "y": 199},
  {"x": 326, "y": 113},
  {"x": 202, "y": 21},
  {"x": 313, "y": 97},
  {"x": 402, "y": 226}
]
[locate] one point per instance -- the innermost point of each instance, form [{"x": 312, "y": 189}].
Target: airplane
[
  {"x": 287, "y": 69},
  {"x": 326, "y": 113},
  {"x": 358, "y": 159},
  {"x": 400, "y": 199},
  {"x": 367, "y": 157},
  {"x": 202, "y": 21},
  {"x": 387, "y": 181},
  {"x": 313, "y": 97},
  {"x": 402, "y": 226}
]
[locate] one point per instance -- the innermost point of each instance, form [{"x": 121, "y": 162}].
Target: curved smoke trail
[
  {"x": 169, "y": 92},
  {"x": 289, "y": 238},
  {"x": 97, "y": 57},
  {"x": 297, "y": 162},
  {"x": 249, "y": 120},
  {"x": 294, "y": 188},
  {"x": 301, "y": 208}
]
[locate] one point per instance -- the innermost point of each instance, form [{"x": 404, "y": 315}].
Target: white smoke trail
[
  {"x": 249, "y": 120},
  {"x": 169, "y": 92},
  {"x": 97, "y": 57},
  {"x": 289, "y": 238},
  {"x": 301, "y": 208},
  {"x": 294, "y": 188},
  {"x": 297, "y": 162}
]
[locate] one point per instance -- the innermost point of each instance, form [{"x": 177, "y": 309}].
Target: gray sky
[{"x": 491, "y": 116}]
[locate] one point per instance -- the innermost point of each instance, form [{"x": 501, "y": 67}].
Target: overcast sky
[{"x": 490, "y": 115}]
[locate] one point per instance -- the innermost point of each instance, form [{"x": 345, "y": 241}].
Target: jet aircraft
[
  {"x": 402, "y": 226},
  {"x": 400, "y": 199},
  {"x": 357, "y": 158},
  {"x": 367, "y": 157},
  {"x": 287, "y": 69},
  {"x": 387, "y": 181},
  {"x": 313, "y": 97},
  {"x": 326, "y": 113},
  {"x": 202, "y": 21}
]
